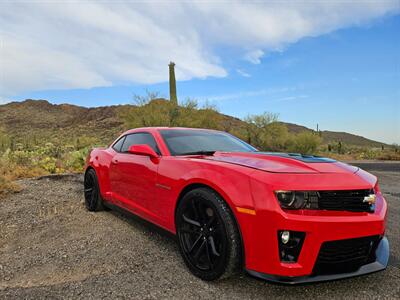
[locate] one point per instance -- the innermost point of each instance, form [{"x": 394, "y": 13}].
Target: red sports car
[{"x": 288, "y": 218}]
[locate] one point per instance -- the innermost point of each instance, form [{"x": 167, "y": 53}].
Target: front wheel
[
  {"x": 208, "y": 236},
  {"x": 93, "y": 199}
]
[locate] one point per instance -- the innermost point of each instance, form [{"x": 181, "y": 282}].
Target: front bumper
[
  {"x": 260, "y": 229},
  {"x": 382, "y": 257},
  {"x": 259, "y": 234}
]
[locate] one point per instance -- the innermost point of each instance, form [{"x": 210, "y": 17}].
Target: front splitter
[{"x": 382, "y": 258}]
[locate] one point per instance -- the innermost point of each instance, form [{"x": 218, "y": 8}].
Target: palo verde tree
[{"x": 265, "y": 132}]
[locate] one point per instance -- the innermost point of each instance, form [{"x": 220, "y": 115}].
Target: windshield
[{"x": 187, "y": 141}]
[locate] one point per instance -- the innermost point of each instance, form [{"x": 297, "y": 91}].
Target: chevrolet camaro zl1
[{"x": 288, "y": 218}]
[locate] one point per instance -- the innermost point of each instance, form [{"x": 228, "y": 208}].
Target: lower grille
[
  {"x": 352, "y": 200},
  {"x": 345, "y": 256}
]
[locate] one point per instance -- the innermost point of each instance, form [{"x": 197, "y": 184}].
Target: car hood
[{"x": 283, "y": 162}]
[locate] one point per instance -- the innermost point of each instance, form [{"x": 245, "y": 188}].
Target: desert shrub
[
  {"x": 190, "y": 103},
  {"x": 7, "y": 186},
  {"x": 40, "y": 160},
  {"x": 75, "y": 160},
  {"x": 159, "y": 112},
  {"x": 265, "y": 132},
  {"x": 142, "y": 100},
  {"x": 277, "y": 137},
  {"x": 48, "y": 164},
  {"x": 10, "y": 171},
  {"x": 389, "y": 154},
  {"x": 5, "y": 141},
  {"x": 83, "y": 142},
  {"x": 305, "y": 143},
  {"x": 21, "y": 157}
]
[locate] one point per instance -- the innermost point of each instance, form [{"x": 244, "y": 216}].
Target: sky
[{"x": 331, "y": 63}]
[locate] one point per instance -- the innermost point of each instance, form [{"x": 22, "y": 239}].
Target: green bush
[
  {"x": 266, "y": 133},
  {"x": 38, "y": 160},
  {"x": 305, "y": 143},
  {"x": 165, "y": 113},
  {"x": 48, "y": 164},
  {"x": 75, "y": 160}
]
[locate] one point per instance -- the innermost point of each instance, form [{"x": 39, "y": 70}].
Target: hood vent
[{"x": 301, "y": 157}]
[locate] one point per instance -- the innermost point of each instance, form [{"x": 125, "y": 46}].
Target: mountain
[
  {"x": 330, "y": 137},
  {"x": 39, "y": 118},
  {"x": 42, "y": 120}
]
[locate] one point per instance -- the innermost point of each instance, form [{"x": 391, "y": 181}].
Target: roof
[{"x": 164, "y": 128}]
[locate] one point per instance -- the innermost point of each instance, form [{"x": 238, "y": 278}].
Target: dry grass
[
  {"x": 9, "y": 172},
  {"x": 7, "y": 186}
]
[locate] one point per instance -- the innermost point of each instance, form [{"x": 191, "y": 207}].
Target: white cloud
[
  {"x": 250, "y": 93},
  {"x": 289, "y": 98},
  {"x": 254, "y": 56},
  {"x": 243, "y": 73},
  {"x": 62, "y": 45}
]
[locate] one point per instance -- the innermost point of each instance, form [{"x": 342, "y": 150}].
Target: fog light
[
  {"x": 285, "y": 236},
  {"x": 290, "y": 244}
]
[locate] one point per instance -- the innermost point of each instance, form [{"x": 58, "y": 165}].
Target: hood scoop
[{"x": 301, "y": 157}]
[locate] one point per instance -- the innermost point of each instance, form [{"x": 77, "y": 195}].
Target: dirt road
[{"x": 50, "y": 246}]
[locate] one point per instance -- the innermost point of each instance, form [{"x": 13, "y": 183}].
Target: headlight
[
  {"x": 291, "y": 200},
  {"x": 340, "y": 200}
]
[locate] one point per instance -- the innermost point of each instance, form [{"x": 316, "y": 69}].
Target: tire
[
  {"x": 209, "y": 239},
  {"x": 93, "y": 200}
]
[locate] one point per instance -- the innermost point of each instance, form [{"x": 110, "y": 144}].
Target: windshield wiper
[{"x": 201, "y": 152}]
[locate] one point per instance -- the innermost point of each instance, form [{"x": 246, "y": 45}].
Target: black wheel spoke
[
  {"x": 196, "y": 242},
  {"x": 190, "y": 231},
  {"x": 213, "y": 248},
  {"x": 199, "y": 250},
  {"x": 190, "y": 221},
  {"x": 209, "y": 256}
]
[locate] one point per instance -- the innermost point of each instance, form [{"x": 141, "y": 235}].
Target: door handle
[{"x": 114, "y": 161}]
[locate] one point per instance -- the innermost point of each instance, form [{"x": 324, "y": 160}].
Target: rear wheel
[
  {"x": 209, "y": 239},
  {"x": 93, "y": 199}
]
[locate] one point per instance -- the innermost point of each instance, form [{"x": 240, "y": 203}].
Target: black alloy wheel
[
  {"x": 208, "y": 236},
  {"x": 93, "y": 199}
]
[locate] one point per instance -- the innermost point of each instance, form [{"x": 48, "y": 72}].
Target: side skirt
[{"x": 140, "y": 219}]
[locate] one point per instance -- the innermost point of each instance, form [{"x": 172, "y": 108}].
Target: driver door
[{"x": 133, "y": 177}]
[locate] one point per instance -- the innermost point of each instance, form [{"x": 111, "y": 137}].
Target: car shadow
[{"x": 135, "y": 220}]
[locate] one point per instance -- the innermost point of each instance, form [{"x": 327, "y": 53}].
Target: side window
[
  {"x": 139, "y": 138},
  {"x": 117, "y": 146}
]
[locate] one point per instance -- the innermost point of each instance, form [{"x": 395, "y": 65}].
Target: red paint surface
[{"x": 150, "y": 188}]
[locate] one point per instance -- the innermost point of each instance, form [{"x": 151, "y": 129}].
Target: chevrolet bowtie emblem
[{"x": 370, "y": 199}]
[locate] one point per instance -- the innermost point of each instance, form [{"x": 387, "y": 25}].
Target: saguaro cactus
[{"x": 172, "y": 84}]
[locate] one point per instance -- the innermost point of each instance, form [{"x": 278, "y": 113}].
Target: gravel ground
[{"x": 50, "y": 246}]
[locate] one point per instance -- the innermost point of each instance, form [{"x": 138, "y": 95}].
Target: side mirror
[{"x": 143, "y": 149}]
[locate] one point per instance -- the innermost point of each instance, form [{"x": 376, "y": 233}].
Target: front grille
[
  {"x": 345, "y": 256},
  {"x": 345, "y": 200}
]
